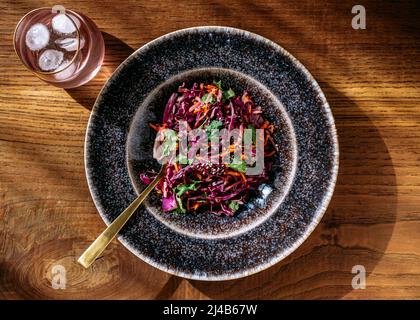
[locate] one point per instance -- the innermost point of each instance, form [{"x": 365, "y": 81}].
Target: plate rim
[{"x": 323, "y": 205}]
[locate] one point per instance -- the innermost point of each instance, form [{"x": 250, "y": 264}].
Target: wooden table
[{"x": 372, "y": 81}]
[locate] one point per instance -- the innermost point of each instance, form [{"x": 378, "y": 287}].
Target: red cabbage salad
[{"x": 218, "y": 187}]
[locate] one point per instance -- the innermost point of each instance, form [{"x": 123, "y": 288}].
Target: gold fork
[{"x": 104, "y": 239}]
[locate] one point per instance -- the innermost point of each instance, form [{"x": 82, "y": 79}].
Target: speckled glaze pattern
[
  {"x": 315, "y": 145},
  {"x": 206, "y": 225}
]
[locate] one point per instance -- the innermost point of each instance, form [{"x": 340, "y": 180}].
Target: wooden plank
[{"x": 372, "y": 81}]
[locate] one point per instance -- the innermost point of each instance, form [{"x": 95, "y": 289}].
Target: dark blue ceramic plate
[{"x": 119, "y": 146}]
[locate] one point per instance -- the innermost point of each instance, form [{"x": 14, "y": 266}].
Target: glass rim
[{"x": 40, "y": 72}]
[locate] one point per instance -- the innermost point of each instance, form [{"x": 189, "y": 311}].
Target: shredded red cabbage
[{"x": 217, "y": 188}]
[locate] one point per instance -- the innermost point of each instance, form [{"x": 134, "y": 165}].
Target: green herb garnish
[
  {"x": 226, "y": 94},
  {"x": 218, "y": 84},
  {"x": 254, "y": 133},
  {"x": 214, "y": 125},
  {"x": 169, "y": 145},
  {"x": 180, "y": 190},
  {"x": 234, "y": 205},
  {"x": 212, "y": 98},
  {"x": 241, "y": 166}
]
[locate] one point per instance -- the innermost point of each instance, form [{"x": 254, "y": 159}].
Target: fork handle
[{"x": 103, "y": 240}]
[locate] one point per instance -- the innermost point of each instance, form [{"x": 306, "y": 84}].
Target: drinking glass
[{"x": 62, "y": 47}]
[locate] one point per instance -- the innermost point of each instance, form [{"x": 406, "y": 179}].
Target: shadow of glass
[
  {"x": 116, "y": 51},
  {"x": 355, "y": 230}
]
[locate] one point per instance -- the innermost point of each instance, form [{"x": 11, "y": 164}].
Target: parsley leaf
[
  {"x": 218, "y": 84},
  {"x": 212, "y": 98},
  {"x": 254, "y": 133},
  {"x": 180, "y": 208},
  {"x": 214, "y": 125},
  {"x": 180, "y": 190},
  {"x": 169, "y": 145},
  {"x": 234, "y": 205},
  {"x": 228, "y": 94},
  {"x": 241, "y": 166}
]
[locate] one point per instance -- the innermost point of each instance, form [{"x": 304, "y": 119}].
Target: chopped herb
[
  {"x": 180, "y": 208},
  {"x": 182, "y": 188},
  {"x": 212, "y": 98},
  {"x": 181, "y": 159},
  {"x": 218, "y": 84},
  {"x": 254, "y": 133},
  {"x": 228, "y": 94},
  {"x": 214, "y": 125},
  {"x": 234, "y": 205},
  {"x": 241, "y": 166},
  {"x": 169, "y": 145}
]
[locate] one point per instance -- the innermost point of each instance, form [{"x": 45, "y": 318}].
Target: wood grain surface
[{"x": 372, "y": 81}]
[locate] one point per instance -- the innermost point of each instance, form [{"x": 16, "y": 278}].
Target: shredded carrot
[
  {"x": 236, "y": 174},
  {"x": 156, "y": 128},
  {"x": 211, "y": 88},
  {"x": 196, "y": 205},
  {"x": 233, "y": 173},
  {"x": 230, "y": 150}
]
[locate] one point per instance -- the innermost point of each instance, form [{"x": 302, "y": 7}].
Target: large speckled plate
[{"x": 119, "y": 146}]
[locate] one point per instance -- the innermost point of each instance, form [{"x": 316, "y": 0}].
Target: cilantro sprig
[
  {"x": 241, "y": 166},
  {"x": 179, "y": 190},
  {"x": 226, "y": 94}
]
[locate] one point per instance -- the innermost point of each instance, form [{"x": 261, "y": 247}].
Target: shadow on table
[
  {"x": 169, "y": 288},
  {"x": 355, "y": 230},
  {"x": 116, "y": 51}
]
